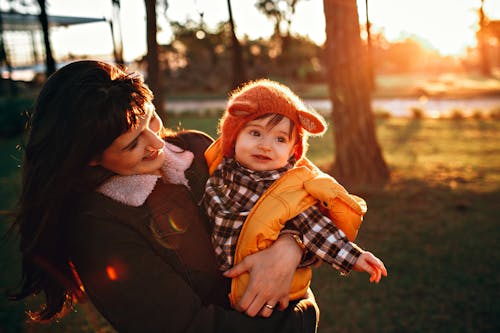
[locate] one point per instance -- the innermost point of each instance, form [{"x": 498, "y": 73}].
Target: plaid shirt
[{"x": 233, "y": 190}]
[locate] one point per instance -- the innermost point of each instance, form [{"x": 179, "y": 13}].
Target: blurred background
[{"x": 419, "y": 79}]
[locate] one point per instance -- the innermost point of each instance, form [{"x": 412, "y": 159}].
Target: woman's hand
[
  {"x": 367, "y": 262},
  {"x": 271, "y": 273}
]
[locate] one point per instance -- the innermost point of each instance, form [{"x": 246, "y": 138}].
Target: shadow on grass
[
  {"x": 440, "y": 245},
  {"x": 408, "y": 132}
]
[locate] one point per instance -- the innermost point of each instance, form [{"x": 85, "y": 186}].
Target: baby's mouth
[{"x": 262, "y": 157}]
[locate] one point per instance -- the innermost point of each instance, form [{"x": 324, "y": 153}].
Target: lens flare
[
  {"x": 111, "y": 272},
  {"x": 176, "y": 227}
]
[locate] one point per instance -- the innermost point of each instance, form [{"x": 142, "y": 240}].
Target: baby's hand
[{"x": 367, "y": 262}]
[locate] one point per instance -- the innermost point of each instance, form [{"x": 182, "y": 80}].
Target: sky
[{"x": 446, "y": 25}]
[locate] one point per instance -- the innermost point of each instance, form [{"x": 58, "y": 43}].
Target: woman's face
[{"x": 138, "y": 151}]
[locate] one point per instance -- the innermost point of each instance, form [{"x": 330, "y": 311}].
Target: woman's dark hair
[{"x": 81, "y": 110}]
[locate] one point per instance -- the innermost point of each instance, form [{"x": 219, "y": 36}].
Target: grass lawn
[{"x": 433, "y": 225}]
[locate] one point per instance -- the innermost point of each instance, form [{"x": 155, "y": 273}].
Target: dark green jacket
[{"x": 151, "y": 268}]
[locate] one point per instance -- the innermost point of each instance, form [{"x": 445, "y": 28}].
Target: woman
[{"x": 108, "y": 210}]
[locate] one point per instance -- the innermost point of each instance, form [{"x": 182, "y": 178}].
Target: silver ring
[{"x": 270, "y": 307}]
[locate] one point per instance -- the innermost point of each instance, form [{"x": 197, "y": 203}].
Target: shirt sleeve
[{"x": 325, "y": 240}]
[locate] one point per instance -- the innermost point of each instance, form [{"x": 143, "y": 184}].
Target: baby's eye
[
  {"x": 254, "y": 133},
  {"x": 281, "y": 139}
]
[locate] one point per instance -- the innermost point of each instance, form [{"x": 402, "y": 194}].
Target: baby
[{"x": 262, "y": 185}]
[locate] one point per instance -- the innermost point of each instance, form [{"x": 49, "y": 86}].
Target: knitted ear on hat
[
  {"x": 242, "y": 108},
  {"x": 311, "y": 122}
]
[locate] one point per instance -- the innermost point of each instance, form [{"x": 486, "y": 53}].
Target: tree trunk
[
  {"x": 358, "y": 157},
  {"x": 239, "y": 72},
  {"x": 371, "y": 72},
  {"x": 482, "y": 43},
  {"x": 154, "y": 78},
  {"x": 4, "y": 59},
  {"x": 116, "y": 32},
  {"x": 50, "y": 64}
]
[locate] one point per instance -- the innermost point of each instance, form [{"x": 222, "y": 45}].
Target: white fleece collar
[{"x": 134, "y": 190}]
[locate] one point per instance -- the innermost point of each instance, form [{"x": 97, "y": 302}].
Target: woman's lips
[{"x": 152, "y": 156}]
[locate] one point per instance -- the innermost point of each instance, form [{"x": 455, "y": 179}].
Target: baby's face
[{"x": 261, "y": 147}]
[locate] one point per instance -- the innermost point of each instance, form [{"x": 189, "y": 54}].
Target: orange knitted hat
[{"x": 263, "y": 96}]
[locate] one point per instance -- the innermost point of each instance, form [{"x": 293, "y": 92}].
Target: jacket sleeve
[{"x": 137, "y": 290}]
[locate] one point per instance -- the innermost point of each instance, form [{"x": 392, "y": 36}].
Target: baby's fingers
[
  {"x": 376, "y": 275},
  {"x": 377, "y": 264},
  {"x": 381, "y": 268}
]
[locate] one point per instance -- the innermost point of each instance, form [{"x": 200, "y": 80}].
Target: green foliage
[
  {"x": 382, "y": 114},
  {"x": 457, "y": 114},
  {"x": 417, "y": 113},
  {"x": 495, "y": 114},
  {"x": 11, "y": 314},
  {"x": 200, "y": 60},
  {"x": 13, "y": 115},
  {"x": 477, "y": 114},
  {"x": 204, "y": 123}
]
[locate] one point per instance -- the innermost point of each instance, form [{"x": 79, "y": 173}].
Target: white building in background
[{"x": 23, "y": 42}]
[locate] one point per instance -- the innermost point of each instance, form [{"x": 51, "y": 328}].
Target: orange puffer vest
[{"x": 297, "y": 190}]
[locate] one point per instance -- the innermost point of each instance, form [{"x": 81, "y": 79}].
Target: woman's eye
[
  {"x": 132, "y": 145},
  {"x": 281, "y": 139},
  {"x": 254, "y": 133}
]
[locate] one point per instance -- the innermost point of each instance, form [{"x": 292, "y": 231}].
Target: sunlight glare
[
  {"x": 448, "y": 26},
  {"x": 111, "y": 272}
]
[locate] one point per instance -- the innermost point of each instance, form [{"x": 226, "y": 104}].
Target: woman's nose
[{"x": 155, "y": 141}]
